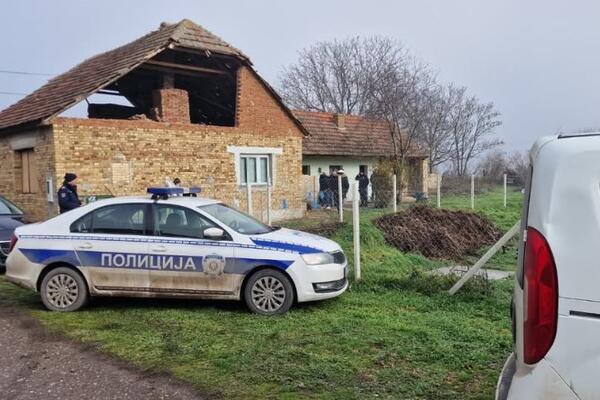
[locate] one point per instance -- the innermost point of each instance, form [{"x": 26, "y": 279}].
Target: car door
[
  {"x": 111, "y": 243},
  {"x": 189, "y": 263}
]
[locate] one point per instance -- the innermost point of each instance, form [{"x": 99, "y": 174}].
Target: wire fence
[{"x": 437, "y": 222}]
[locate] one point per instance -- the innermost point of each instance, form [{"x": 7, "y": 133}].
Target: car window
[
  {"x": 170, "y": 220},
  {"x": 6, "y": 207},
  {"x": 236, "y": 220},
  {"x": 124, "y": 219}
]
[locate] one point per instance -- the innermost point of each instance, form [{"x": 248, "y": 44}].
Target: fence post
[
  {"x": 439, "y": 191},
  {"x": 504, "y": 190},
  {"x": 356, "y": 231},
  {"x": 394, "y": 198},
  {"x": 249, "y": 197},
  {"x": 473, "y": 191},
  {"x": 340, "y": 199},
  {"x": 269, "y": 200}
]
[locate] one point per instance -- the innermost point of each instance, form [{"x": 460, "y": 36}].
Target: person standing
[
  {"x": 345, "y": 183},
  {"x": 67, "y": 194},
  {"x": 363, "y": 188},
  {"x": 324, "y": 190},
  {"x": 333, "y": 188}
]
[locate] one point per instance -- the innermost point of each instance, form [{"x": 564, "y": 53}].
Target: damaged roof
[
  {"x": 95, "y": 73},
  {"x": 355, "y": 136}
]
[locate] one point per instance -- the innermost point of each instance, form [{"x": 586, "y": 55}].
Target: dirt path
[{"x": 36, "y": 365}]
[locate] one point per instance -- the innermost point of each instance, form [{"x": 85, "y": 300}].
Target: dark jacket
[
  {"x": 345, "y": 185},
  {"x": 333, "y": 183},
  {"x": 363, "y": 181},
  {"x": 323, "y": 183},
  {"x": 68, "y": 198}
]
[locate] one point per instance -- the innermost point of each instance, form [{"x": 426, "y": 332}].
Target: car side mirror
[{"x": 214, "y": 233}]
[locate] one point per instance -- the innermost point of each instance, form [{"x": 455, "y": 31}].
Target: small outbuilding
[{"x": 187, "y": 104}]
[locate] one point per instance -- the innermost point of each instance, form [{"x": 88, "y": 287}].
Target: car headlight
[{"x": 317, "y": 258}]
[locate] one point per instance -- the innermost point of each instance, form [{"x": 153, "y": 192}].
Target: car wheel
[
  {"x": 64, "y": 289},
  {"x": 269, "y": 292}
]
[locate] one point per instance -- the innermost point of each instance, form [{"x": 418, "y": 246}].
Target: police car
[{"x": 173, "y": 245}]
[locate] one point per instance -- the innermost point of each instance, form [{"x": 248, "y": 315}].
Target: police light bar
[
  {"x": 192, "y": 190},
  {"x": 164, "y": 191}
]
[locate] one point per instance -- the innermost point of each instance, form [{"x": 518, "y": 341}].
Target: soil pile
[{"x": 441, "y": 234}]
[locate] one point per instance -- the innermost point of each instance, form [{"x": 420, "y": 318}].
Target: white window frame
[
  {"x": 258, "y": 169},
  {"x": 242, "y": 151}
]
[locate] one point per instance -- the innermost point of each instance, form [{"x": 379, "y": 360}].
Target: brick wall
[
  {"x": 125, "y": 157},
  {"x": 41, "y": 140},
  {"x": 171, "y": 105}
]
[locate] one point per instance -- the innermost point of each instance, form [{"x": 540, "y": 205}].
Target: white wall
[{"x": 348, "y": 163}]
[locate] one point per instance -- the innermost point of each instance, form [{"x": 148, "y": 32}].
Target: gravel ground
[{"x": 36, "y": 365}]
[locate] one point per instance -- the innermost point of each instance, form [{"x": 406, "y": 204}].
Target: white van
[{"x": 556, "y": 304}]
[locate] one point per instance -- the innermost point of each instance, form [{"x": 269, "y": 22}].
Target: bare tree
[
  {"x": 400, "y": 97},
  {"x": 336, "y": 76},
  {"x": 518, "y": 163},
  {"x": 471, "y": 123},
  {"x": 493, "y": 165},
  {"x": 435, "y": 136},
  {"x": 376, "y": 77}
]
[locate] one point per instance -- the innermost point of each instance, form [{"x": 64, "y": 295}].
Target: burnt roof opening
[{"x": 210, "y": 81}]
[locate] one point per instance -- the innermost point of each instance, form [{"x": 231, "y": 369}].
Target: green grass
[{"x": 396, "y": 335}]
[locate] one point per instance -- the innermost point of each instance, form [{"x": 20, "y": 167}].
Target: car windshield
[
  {"x": 236, "y": 220},
  {"x": 8, "y": 208}
]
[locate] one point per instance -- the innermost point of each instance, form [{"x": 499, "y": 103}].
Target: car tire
[
  {"x": 269, "y": 292},
  {"x": 64, "y": 289}
]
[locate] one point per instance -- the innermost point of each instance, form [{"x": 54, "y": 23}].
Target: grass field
[{"x": 396, "y": 335}]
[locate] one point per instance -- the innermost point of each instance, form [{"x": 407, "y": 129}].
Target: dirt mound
[{"x": 442, "y": 234}]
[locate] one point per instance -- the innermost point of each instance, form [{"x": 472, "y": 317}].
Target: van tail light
[
  {"x": 541, "y": 297},
  {"x": 13, "y": 242}
]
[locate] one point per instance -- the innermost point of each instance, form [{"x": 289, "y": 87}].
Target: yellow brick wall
[
  {"x": 103, "y": 152},
  {"x": 34, "y": 204}
]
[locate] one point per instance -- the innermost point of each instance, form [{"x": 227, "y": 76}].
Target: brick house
[
  {"x": 191, "y": 106},
  {"x": 354, "y": 143}
]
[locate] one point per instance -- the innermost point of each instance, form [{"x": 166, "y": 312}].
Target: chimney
[
  {"x": 340, "y": 121},
  {"x": 171, "y": 105}
]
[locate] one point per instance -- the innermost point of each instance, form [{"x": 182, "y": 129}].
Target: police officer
[
  {"x": 67, "y": 194},
  {"x": 363, "y": 185}
]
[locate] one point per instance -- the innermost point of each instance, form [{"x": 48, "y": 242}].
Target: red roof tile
[{"x": 360, "y": 136}]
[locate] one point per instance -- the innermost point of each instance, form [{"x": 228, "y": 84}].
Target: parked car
[
  {"x": 556, "y": 304},
  {"x": 11, "y": 217},
  {"x": 173, "y": 247}
]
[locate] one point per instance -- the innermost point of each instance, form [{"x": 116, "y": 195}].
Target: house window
[
  {"x": 306, "y": 170},
  {"x": 255, "y": 168},
  {"x": 334, "y": 168},
  {"x": 28, "y": 171}
]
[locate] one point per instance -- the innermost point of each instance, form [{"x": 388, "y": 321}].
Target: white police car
[{"x": 168, "y": 246}]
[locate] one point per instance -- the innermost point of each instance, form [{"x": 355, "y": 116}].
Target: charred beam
[{"x": 180, "y": 67}]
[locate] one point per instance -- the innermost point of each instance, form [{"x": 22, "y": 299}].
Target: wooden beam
[{"x": 183, "y": 67}]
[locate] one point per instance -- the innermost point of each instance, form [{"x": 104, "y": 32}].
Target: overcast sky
[{"x": 537, "y": 60}]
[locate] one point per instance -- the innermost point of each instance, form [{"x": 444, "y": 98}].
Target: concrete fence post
[
  {"x": 473, "y": 191},
  {"x": 249, "y": 197},
  {"x": 269, "y": 205},
  {"x": 340, "y": 199},
  {"x": 504, "y": 190},
  {"x": 394, "y": 190},
  {"x": 439, "y": 191},
  {"x": 356, "y": 230}
]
